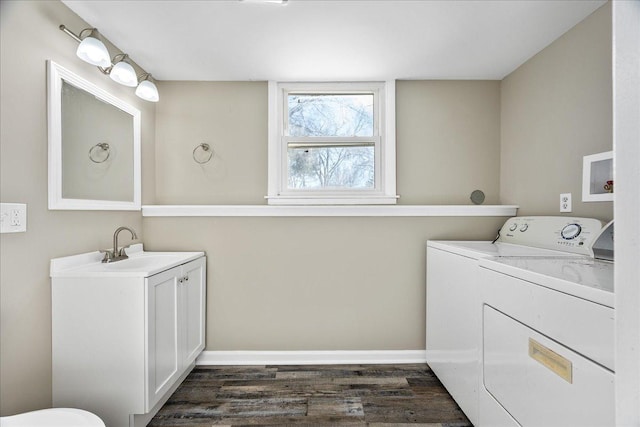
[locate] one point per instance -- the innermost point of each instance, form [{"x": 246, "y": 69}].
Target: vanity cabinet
[
  {"x": 122, "y": 341},
  {"x": 175, "y": 325}
]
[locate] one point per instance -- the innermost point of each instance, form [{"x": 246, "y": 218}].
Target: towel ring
[
  {"x": 206, "y": 148},
  {"x": 103, "y": 147}
]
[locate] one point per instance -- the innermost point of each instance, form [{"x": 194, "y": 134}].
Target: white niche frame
[{"x": 597, "y": 169}]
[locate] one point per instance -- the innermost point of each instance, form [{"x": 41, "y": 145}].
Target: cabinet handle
[
  {"x": 551, "y": 360},
  {"x": 186, "y": 278},
  {"x": 180, "y": 280}
]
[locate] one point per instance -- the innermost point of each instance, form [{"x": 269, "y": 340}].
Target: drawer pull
[{"x": 551, "y": 360}]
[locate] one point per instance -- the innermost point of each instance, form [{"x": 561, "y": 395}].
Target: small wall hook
[{"x": 206, "y": 149}]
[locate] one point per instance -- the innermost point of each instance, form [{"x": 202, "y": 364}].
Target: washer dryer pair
[{"x": 453, "y": 302}]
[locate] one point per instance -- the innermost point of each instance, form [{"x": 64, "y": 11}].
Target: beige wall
[
  {"x": 448, "y": 141},
  {"x": 320, "y": 283},
  {"x": 556, "y": 108},
  {"x": 29, "y": 35},
  {"x": 229, "y": 116},
  {"x": 314, "y": 283}
]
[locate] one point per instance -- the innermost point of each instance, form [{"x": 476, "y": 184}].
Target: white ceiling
[{"x": 331, "y": 40}]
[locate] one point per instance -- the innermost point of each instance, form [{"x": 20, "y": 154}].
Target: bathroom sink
[
  {"x": 139, "y": 263},
  {"x": 144, "y": 262}
]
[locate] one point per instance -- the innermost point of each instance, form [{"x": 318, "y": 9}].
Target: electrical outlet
[
  {"x": 565, "y": 202},
  {"x": 13, "y": 217}
]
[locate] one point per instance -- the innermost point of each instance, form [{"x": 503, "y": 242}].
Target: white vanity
[{"x": 125, "y": 334}]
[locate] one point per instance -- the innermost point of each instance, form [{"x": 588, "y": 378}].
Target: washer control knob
[
  {"x": 524, "y": 227},
  {"x": 571, "y": 231},
  {"x": 513, "y": 227}
]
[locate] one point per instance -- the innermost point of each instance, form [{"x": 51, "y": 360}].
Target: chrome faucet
[{"x": 118, "y": 254}]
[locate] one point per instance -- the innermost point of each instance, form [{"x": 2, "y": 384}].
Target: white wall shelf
[
  {"x": 323, "y": 211},
  {"x": 597, "y": 169}
]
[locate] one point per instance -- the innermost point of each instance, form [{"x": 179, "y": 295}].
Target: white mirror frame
[{"x": 56, "y": 75}]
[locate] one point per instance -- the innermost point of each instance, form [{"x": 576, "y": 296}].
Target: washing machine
[
  {"x": 453, "y": 304},
  {"x": 548, "y": 339}
]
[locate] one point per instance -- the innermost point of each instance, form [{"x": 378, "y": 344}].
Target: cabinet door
[
  {"x": 193, "y": 306},
  {"x": 164, "y": 362}
]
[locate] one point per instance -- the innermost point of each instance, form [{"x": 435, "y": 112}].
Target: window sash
[
  {"x": 333, "y": 89},
  {"x": 288, "y": 141},
  {"x": 374, "y": 93},
  {"x": 337, "y": 172},
  {"x": 320, "y": 142},
  {"x": 383, "y": 142}
]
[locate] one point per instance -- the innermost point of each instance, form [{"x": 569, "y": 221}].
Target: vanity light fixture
[
  {"x": 93, "y": 51},
  {"x": 147, "y": 89},
  {"x": 122, "y": 72}
]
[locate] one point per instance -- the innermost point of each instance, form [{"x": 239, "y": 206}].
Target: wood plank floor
[{"x": 329, "y": 395}]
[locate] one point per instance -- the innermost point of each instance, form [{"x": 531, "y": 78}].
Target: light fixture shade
[
  {"x": 148, "y": 91},
  {"x": 123, "y": 73},
  {"x": 94, "y": 52}
]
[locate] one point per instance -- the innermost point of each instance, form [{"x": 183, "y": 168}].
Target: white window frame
[{"x": 384, "y": 191}]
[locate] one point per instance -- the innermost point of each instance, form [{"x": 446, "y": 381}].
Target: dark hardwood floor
[{"x": 328, "y": 395}]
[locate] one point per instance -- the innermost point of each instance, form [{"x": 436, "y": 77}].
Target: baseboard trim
[{"x": 311, "y": 357}]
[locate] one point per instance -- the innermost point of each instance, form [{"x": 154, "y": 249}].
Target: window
[{"x": 331, "y": 143}]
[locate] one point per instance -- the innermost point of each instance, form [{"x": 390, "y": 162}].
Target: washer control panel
[{"x": 567, "y": 234}]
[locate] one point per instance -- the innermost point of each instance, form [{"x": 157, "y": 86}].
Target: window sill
[
  {"x": 330, "y": 200},
  {"x": 326, "y": 211}
]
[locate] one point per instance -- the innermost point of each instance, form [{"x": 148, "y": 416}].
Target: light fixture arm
[
  {"x": 90, "y": 30},
  {"x": 71, "y": 33},
  {"x": 119, "y": 57}
]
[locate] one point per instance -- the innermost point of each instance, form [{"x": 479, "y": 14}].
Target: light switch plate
[
  {"x": 565, "y": 202},
  {"x": 13, "y": 217}
]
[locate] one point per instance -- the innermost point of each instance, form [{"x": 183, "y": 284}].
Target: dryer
[
  {"x": 453, "y": 305},
  {"x": 548, "y": 340}
]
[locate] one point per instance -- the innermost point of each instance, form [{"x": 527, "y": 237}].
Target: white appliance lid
[
  {"x": 578, "y": 276},
  {"x": 485, "y": 249}
]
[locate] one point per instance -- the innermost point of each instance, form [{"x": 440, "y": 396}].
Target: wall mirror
[{"x": 94, "y": 146}]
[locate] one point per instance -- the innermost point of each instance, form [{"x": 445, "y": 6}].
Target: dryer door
[{"x": 540, "y": 382}]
